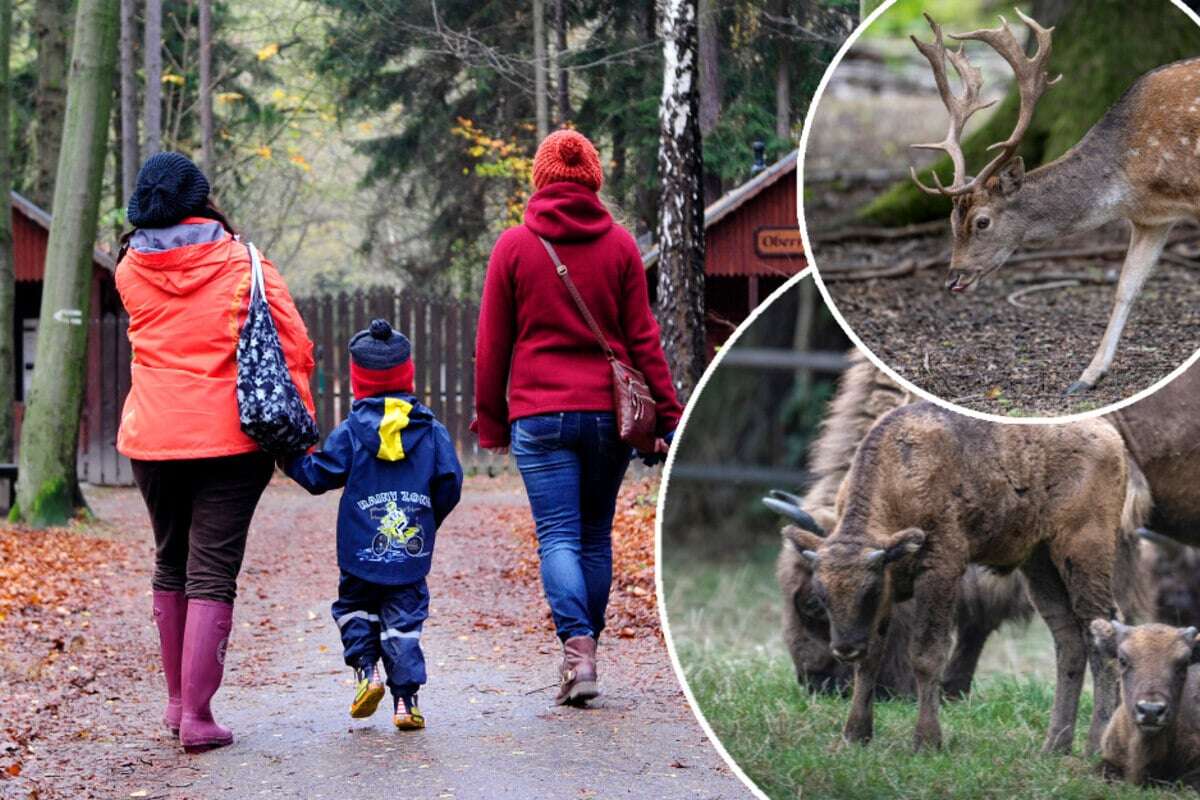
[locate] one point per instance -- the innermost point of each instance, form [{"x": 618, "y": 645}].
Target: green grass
[{"x": 724, "y": 624}]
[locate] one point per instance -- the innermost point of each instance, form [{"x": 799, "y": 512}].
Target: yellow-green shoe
[
  {"x": 367, "y": 693},
  {"x": 407, "y": 716}
]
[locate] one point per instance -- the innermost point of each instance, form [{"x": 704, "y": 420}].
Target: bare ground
[
  {"x": 979, "y": 350},
  {"x": 982, "y": 351},
  {"x": 83, "y": 691}
]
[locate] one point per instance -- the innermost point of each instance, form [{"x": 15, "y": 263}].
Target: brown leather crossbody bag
[{"x": 633, "y": 403}]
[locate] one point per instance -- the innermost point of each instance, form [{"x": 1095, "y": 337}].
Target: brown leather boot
[{"x": 578, "y": 672}]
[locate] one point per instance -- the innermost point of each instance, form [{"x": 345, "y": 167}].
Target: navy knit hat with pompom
[
  {"x": 380, "y": 347},
  {"x": 169, "y": 188}
]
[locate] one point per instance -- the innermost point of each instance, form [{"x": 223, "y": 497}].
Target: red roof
[
  {"x": 31, "y": 232},
  {"x": 753, "y": 229}
]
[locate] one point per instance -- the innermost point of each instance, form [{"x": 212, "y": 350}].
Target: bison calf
[
  {"x": 1154, "y": 735},
  {"x": 929, "y": 493}
]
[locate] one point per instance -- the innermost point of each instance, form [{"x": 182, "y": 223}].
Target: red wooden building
[
  {"x": 108, "y": 347},
  {"x": 752, "y": 246}
]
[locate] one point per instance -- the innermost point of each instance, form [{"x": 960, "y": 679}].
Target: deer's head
[{"x": 986, "y": 230}]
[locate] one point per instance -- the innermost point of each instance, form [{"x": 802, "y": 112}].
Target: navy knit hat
[
  {"x": 379, "y": 347},
  {"x": 169, "y": 188}
]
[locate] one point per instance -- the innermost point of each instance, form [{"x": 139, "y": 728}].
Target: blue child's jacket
[{"x": 401, "y": 478}]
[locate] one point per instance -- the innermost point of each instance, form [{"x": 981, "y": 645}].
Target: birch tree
[
  {"x": 681, "y": 212},
  {"x": 7, "y": 290},
  {"x": 48, "y": 485},
  {"x": 130, "y": 150},
  {"x": 152, "y": 45},
  {"x": 51, "y": 26}
]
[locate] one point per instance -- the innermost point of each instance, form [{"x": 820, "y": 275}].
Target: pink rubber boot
[
  {"x": 170, "y": 613},
  {"x": 208, "y": 625}
]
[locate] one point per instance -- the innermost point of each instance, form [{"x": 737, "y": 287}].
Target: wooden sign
[{"x": 778, "y": 242}]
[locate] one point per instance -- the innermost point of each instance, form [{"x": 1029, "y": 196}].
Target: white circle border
[
  {"x": 660, "y": 508},
  {"x": 878, "y": 362}
]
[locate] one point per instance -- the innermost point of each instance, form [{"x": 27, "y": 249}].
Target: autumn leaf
[
  {"x": 170, "y": 77},
  {"x": 269, "y": 51}
]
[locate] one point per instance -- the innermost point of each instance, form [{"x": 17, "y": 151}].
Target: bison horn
[{"x": 791, "y": 509}]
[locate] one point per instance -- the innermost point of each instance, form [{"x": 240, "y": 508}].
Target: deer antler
[
  {"x": 1032, "y": 81},
  {"x": 961, "y": 107}
]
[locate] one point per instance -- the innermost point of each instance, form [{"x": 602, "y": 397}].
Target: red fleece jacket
[{"x": 532, "y": 339}]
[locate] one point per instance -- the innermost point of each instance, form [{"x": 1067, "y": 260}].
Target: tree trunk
[
  {"x": 1094, "y": 77},
  {"x": 47, "y": 487},
  {"x": 51, "y": 26},
  {"x": 681, "y": 214},
  {"x": 541, "y": 105},
  {"x": 152, "y": 45},
  {"x": 783, "y": 80},
  {"x": 206, "y": 101},
  {"x": 560, "y": 47},
  {"x": 7, "y": 290},
  {"x": 710, "y": 84},
  {"x": 131, "y": 157}
]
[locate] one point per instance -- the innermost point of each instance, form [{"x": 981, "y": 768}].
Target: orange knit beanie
[{"x": 567, "y": 155}]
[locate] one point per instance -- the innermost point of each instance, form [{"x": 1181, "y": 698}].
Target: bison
[
  {"x": 986, "y": 599},
  {"x": 930, "y": 492},
  {"x": 1154, "y": 735}
]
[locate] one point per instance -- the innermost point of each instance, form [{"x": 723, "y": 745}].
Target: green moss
[
  {"x": 52, "y": 505},
  {"x": 1101, "y": 47}
]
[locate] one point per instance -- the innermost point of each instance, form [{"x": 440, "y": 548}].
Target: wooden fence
[
  {"x": 442, "y": 332},
  {"x": 443, "y": 335},
  {"x": 99, "y": 463}
]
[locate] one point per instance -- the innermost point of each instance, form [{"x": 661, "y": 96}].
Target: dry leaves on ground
[{"x": 633, "y": 606}]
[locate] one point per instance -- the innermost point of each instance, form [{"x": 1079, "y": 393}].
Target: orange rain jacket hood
[{"x": 186, "y": 306}]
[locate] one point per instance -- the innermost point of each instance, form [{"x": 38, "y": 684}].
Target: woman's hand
[{"x": 661, "y": 446}]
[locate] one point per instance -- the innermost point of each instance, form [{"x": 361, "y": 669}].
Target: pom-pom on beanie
[
  {"x": 567, "y": 155},
  {"x": 380, "y": 361}
]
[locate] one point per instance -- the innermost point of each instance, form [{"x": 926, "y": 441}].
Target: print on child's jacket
[{"x": 396, "y": 539}]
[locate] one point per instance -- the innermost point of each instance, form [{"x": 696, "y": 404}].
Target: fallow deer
[{"x": 1140, "y": 162}]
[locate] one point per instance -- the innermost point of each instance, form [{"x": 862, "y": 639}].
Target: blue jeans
[{"x": 572, "y": 464}]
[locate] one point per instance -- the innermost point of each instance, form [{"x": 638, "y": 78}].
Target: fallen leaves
[{"x": 633, "y": 604}]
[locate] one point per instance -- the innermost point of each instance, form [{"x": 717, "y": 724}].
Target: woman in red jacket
[
  {"x": 184, "y": 277},
  {"x": 543, "y": 383}
]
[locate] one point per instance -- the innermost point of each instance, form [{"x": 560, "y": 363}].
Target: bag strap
[
  {"x": 256, "y": 274},
  {"x": 561, "y": 269}
]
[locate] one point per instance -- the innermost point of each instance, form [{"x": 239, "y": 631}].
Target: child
[{"x": 401, "y": 478}]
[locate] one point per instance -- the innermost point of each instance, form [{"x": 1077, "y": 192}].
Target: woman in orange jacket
[{"x": 184, "y": 279}]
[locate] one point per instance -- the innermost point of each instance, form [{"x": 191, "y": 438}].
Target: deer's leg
[
  {"x": 1145, "y": 246},
  {"x": 936, "y": 594},
  {"x": 1053, "y": 603}
]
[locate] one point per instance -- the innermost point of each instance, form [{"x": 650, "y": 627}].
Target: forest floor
[
  {"x": 81, "y": 692},
  {"x": 990, "y": 349}
]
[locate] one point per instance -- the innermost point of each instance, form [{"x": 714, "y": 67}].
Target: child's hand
[{"x": 500, "y": 451}]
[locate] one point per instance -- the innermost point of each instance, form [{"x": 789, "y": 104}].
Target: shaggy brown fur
[
  {"x": 1154, "y": 735},
  {"x": 930, "y": 492},
  {"x": 985, "y": 600}
]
